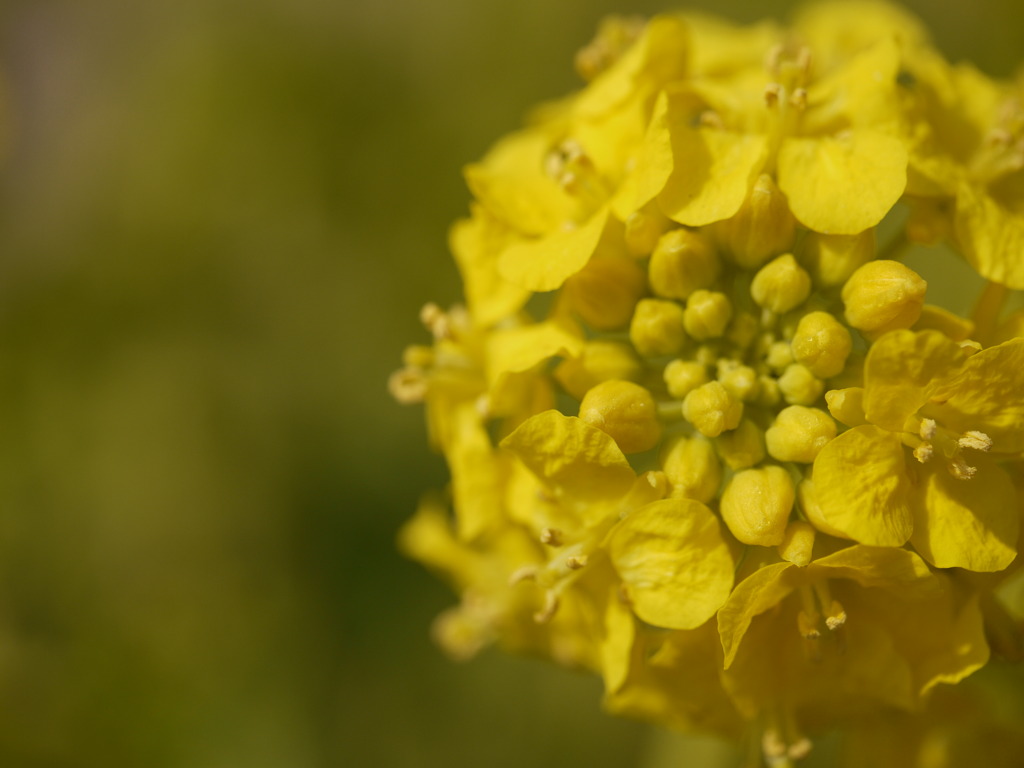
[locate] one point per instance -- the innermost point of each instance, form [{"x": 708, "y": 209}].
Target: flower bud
[
  {"x": 799, "y": 433},
  {"x": 780, "y": 356},
  {"x": 797, "y": 545},
  {"x": 799, "y": 386},
  {"x": 657, "y": 328},
  {"x": 600, "y": 361},
  {"x": 831, "y": 259},
  {"x": 740, "y": 381},
  {"x": 847, "y": 406},
  {"x": 743, "y": 447},
  {"x": 707, "y": 314},
  {"x": 643, "y": 229},
  {"x": 626, "y": 412},
  {"x": 756, "y": 505},
  {"x": 822, "y": 344},
  {"x": 605, "y": 292},
  {"x": 781, "y": 285},
  {"x": 684, "y": 376},
  {"x": 761, "y": 228},
  {"x": 883, "y": 296},
  {"x": 683, "y": 262},
  {"x": 693, "y": 469},
  {"x": 712, "y": 410}
]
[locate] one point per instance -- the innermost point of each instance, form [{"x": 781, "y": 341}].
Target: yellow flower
[
  {"x": 915, "y": 469},
  {"x": 705, "y": 436}
]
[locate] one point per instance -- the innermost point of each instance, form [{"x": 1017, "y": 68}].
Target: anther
[
  {"x": 435, "y": 320},
  {"x": 979, "y": 441},
  {"x": 576, "y": 562},
  {"x": 960, "y": 469},
  {"x": 924, "y": 452},
  {"x": 772, "y": 91},
  {"x": 710, "y": 119},
  {"x": 524, "y": 573},
  {"x": 798, "y": 99},
  {"x": 927, "y": 429},
  {"x": 551, "y": 537},
  {"x": 545, "y": 614},
  {"x": 836, "y": 616},
  {"x": 408, "y": 386}
]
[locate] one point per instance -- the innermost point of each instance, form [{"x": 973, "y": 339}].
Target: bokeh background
[{"x": 218, "y": 221}]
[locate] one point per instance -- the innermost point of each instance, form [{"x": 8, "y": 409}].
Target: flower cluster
[{"x": 706, "y": 435}]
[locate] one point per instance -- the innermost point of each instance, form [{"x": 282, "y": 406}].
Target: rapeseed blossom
[{"x": 707, "y": 436}]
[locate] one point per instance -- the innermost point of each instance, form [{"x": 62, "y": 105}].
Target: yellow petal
[
  {"x": 842, "y": 184},
  {"x": 476, "y": 243},
  {"x": 894, "y": 569},
  {"x": 757, "y": 593},
  {"x": 511, "y": 183},
  {"x": 903, "y": 370},
  {"x": 654, "y": 166},
  {"x": 861, "y": 487},
  {"x": 713, "y": 169},
  {"x": 515, "y": 350},
  {"x": 969, "y": 524},
  {"x": 989, "y": 397},
  {"x": 571, "y": 455},
  {"x": 991, "y": 237},
  {"x": 675, "y": 565},
  {"x": 545, "y": 263},
  {"x": 474, "y": 468}
]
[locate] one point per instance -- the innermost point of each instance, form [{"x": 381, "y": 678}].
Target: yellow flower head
[{"x": 706, "y": 436}]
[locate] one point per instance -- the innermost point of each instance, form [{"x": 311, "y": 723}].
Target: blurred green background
[{"x": 218, "y": 221}]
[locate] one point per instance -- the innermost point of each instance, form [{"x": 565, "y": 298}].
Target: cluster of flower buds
[{"x": 707, "y": 437}]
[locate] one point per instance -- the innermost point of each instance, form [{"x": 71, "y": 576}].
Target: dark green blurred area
[{"x": 218, "y": 221}]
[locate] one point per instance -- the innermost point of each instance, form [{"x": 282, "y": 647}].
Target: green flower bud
[
  {"x": 822, "y": 344},
  {"x": 781, "y": 285},
  {"x": 799, "y": 433},
  {"x": 883, "y": 296},
  {"x": 626, "y": 412},
  {"x": 683, "y": 262},
  {"x": 712, "y": 410},
  {"x": 707, "y": 314},
  {"x": 658, "y": 328},
  {"x": 756, "y": 505}
]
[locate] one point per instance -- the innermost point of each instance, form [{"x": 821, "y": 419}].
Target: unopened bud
[
  {"x": 822, "y": 344},
  {"x": 799, "y": 386},
  {"x": 658, "y": 328},
  {"x": 693, "y": 469},
  {"x": 712, "y": 410},
  {"x": 600, "y": 361},
  {"x": 643, "y": 229},
  {"x": 740, "y": 381},
  {"x": 831, "y": 259},
  {"x": 883, "y": 296},
  {"x": 756, "y": 505},
  {"x": 683, "y": 262},
  {"x": 684, "y": 376},
  {"x": 761, "y": 228},
  {"x": 847, "y": 405},
  {"x": 797, "y": 543},
  {"x": 626, "y": 412},
  {"x": 799, "y": 433},
  {"x": 781, "y": 285},
  {"x": 707, "y": 314},
  {"x": 605, "y": 292},
  {"x": 743, "y": 447}
]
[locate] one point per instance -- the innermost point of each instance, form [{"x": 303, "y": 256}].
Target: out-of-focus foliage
[{"x": 215, "y": 218}]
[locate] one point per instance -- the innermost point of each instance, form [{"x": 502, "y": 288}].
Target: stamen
[
  {"x": 772, "y": 91},
  {"x": 836, "y": 616},
  {"x": 710, "y": 119},
  {"x": 576, "y": 562},
  {"x": 798, "y": 99},
  {"x": 979, "y": 441},
  {"x": 551, "y": 536},
  {"x": 545, "y": 614},
  {"x": 524, "y": 573},
  {"x": 927, "y": 429},
  {"x": 960, "y": 469},
  {"x": 408, "y": 386},
  {"x": 924, "y": 452},
  {"x": 435, "y": 320}
]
